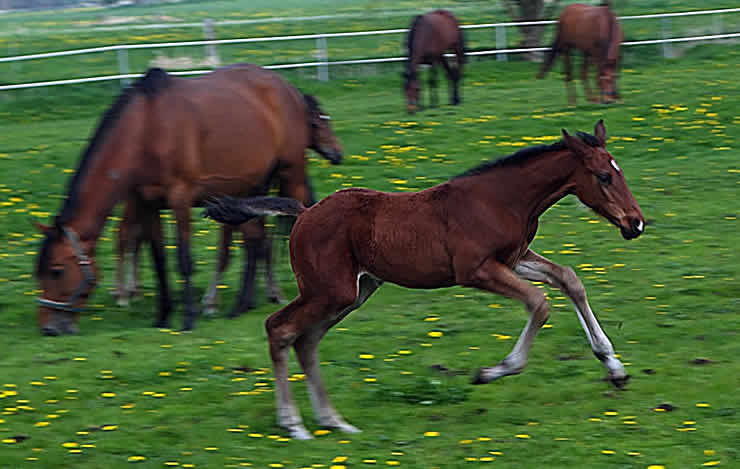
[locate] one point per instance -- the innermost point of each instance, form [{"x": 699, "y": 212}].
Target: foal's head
[
  {"x": 323, "y": 140},
  {"x": 600, "y": 183},
  {"x": 67, "y": 276}
]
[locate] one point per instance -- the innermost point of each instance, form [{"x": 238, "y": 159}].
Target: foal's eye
[
  {"x": 56, "y": 272},
  {"x": 604, "y": 178}
]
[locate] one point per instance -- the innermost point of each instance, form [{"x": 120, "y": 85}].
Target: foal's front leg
[
  {"x": 498, "y": 278},
  {"x": 535, "y": 267}
]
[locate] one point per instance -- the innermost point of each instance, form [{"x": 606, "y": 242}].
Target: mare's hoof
[{"x": 619, "y": 381}]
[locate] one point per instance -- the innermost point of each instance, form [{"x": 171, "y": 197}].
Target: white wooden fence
[{"x": 323, "y": 63}]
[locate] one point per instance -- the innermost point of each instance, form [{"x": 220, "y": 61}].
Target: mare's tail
[
  {"x": 235, "y": 210},
  {"x": 551, "y": 55}
]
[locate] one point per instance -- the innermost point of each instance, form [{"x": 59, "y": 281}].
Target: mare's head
[
  {"x": 67, "y": 275},
  {"x": 323, "y": 139},
  {"x": 600, "y": 183}
]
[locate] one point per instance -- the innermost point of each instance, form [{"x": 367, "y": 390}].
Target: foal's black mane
[
  {"x": 526, "y": 154},
  {"x": 150, "y": 84}
]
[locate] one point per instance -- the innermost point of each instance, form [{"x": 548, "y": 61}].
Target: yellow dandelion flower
[{"x": 431, "y": 434}]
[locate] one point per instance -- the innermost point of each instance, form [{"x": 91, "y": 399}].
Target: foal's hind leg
[
  {"x": 281, "y": 334},
  {"x": 306, "y": 348},
  {"x": 538, "y": 268},
  {"x": 498, "y": 278}
]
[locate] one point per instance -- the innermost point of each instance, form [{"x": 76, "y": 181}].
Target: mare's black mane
[{"x": 154, "y": 81}]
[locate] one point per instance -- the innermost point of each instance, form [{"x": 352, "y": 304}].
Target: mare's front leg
[
  {"x": 246, "y": 301},
  {"x": 569, "y": 77},
  {"x": 453, "y": 75},
  {"x": 274, "y": 295},
  {"x": 156, "y": 237},
  {"x": 498, "y": 278},
  {"x": 584, "y": 78},
  {"x": 538, "y": 268},
  {"x": 181, "y": 207},
  {"x": 433, "y": 91}
]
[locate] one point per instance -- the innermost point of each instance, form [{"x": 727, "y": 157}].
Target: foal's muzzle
[{"x": 633, "y": 228}]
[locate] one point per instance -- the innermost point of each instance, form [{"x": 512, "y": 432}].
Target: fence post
[
  {"x": 123, "y": 65},
  {"x": 501, "y": 41},
  {"x": 323, "y": 56},
  {"x": 717, "y": 23},
  {"x": 212, "y": 58},
  {"x": 667, "y": 46}
]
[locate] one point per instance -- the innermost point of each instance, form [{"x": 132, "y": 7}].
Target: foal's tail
[
  {"x": 551, "y": 54},
  {"x": 235, "y": 210}
]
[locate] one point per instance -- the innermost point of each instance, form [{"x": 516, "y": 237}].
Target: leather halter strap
[{"x": 88, "y": 276}]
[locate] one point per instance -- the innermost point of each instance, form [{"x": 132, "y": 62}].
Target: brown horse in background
[
  {"x": 173, "y": 142},
  {"x": 595, "y": 30},
  {"x": 430, "y": 36},
  {"x": 473, "y": 230}
]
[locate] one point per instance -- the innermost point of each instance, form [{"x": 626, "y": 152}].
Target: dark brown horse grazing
[
  {"x": 594, "y": 30},
  {"x": 430, "y": 36},
  {"x": 172, "y": 142},
  {"x": 473, "y": 230}
]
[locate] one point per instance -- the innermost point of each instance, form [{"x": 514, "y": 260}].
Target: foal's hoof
[
  {"x": 299, "y": 432},
  {"x": 619, "y": 381},
  {"x": 480, "y": 377}
]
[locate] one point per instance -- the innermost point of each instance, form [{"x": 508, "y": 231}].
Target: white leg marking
[
  {"x": 209, "y": 299},
  {"x": 569, "y": 283}
]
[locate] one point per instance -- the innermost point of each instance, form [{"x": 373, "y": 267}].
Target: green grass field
[{"x": 399, "y": 368}]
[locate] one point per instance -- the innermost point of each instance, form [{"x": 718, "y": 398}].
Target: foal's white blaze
[
  {"x": 640, "y": 226},
  {"x": 616, "y": 166}
]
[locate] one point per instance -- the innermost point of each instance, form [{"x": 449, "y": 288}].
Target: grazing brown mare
[
  {"x": 596, "y": 32},
  {"x": 172, "y": 142},
  {"x": 473, "y": 230},
  {"x": 430, "y": 36}
]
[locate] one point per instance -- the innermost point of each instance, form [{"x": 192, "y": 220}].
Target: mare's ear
[
  {"x": 42, "y": 228},
  {"x": 600, "y": 132},
  {"x": 575, "y": 144}
]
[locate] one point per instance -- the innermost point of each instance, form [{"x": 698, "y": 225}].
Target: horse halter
[{"x": 88, "y": 276}]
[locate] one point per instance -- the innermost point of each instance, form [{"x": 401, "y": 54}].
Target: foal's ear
[
  {"x": 575, "y": 144},
  {"x": 600, "y": 132}
]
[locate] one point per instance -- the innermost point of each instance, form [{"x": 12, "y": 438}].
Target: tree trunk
[{"x": 531, "y": 10}]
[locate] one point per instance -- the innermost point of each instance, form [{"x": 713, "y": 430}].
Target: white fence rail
[{"x": 323, "y": 63}]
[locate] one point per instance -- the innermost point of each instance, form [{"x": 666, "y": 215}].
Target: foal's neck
[{"x": 538, "y": 183}]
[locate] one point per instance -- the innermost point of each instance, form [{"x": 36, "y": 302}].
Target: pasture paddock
[{"x": 122, "y": 391}]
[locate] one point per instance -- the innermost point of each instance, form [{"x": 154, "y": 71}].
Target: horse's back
[
  {"x": 224, "y": 131},
  {"x": 398, "y": 237},
  {"x": 585, "y": 26}
]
